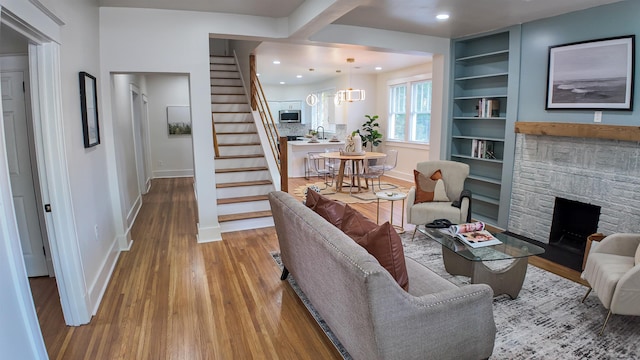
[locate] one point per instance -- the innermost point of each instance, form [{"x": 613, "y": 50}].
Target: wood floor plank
[{"x": 172, "y": 298}]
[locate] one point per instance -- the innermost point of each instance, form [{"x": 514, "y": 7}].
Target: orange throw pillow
[
  {"x": 429, "y": 189},
  {"x": 385, "y": 245}
]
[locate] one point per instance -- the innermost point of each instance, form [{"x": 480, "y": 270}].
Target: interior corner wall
[
  {"x": 617, "y": 19},
  {"x": 242, "y": 50},
  {"x": 171, "y": 156}
]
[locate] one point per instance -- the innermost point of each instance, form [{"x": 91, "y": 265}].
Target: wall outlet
[
  {"x": 597, "y": 117},
  {"x": 160, "y": 163},
  {"x": 97, "y": 233}
]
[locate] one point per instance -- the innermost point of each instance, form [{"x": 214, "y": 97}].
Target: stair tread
[
  {"x": 241, "y": 199},
  {"x": 248, "y": 156},
  {"x": 232, "y": 122},
  {"x": 243, "y": 144},
  {"x": 244, "y": 216},
  {"x": 243, "y": 183},
  {"x": 236, "y": 133},
  {"x": 231, "y": 170}
]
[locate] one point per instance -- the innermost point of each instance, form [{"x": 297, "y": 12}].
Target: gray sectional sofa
[{"x": 372, "y": 316}]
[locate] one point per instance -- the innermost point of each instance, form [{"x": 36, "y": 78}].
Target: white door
[{"x": 22, "y": 185}]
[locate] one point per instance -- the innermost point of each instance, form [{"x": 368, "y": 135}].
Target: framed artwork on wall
[
  {"x": 89, "y": 109},
  {"x": 595, "y": 74},
  {"x": 179, "y": 120}
]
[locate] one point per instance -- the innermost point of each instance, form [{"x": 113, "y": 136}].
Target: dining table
[{"x": 357, "y": 160}]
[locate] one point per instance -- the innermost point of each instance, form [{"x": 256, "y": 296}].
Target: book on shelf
[
  {"x": 488, "y": 108},
  {"x": 473, "y": 234},
  {"x": 482, "y": 149}
]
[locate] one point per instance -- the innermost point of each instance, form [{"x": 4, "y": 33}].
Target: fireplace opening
[{"x": 572, "y": 223}]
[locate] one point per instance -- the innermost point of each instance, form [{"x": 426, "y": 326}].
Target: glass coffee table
[{"x": 460, "y": 259}]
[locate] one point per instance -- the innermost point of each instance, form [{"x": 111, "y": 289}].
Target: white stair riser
[
  {"x": 225, "y": 74},
  {"x": 231, "y": 117},
  {"x": 222, "y": 59},
  {"x": 223, "y": 178},
  {"x": 240, "y": 127},
  {"x": 224, "y": 193},
  {"x": 240, "y": 150},
  {"x": 230, "y": 90},
  {"x": 223, "y": 108},
  {"x": 235, "y": 99},
  {"x": 223, "y": 67},
  {"x": 239, "y": 163},
  {"x": 249, "y": 224},
  {"x": 244, "y": 207},
  {"x": 226, "y": 82},
  {"x": 238, "y": 139}
]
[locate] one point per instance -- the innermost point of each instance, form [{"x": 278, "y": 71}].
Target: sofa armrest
[
  {"x": 453, "y": 323},
  {"x": 619, "y": 244},
  {"x": 626, "y": 297},
  {"x": 411, "y": 198}
]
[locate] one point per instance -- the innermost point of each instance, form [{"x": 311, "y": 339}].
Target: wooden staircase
[{"x": 242, "y": 176}]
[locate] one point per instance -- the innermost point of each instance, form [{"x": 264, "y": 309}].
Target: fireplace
[
  {"x": 573, "y": 221},
  {"x": 601, "y": 172}
]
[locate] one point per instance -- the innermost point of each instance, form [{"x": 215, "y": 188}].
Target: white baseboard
[
  {"x": 209, "y": 234},
  {"x": 133, "y": 212},
  {"x": 99, "y": 286},
  {"x": 400, "y": 175},
  {"x": 173, "y": 173}
]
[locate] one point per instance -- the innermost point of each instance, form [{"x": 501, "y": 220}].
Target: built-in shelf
[
  {"x": 477, "y": 138},
  {"x": 485, "y": 179},
  {"x": 486, "y": 199},
  {"x": 479, "y": 118},
  {"x": 485, "y": 76},
  {"x": 590, "y": 131},
  {"x": 499, "y": 53},
  {"x": 497, "y": 161},
  {"x": 498, "y": 96}
]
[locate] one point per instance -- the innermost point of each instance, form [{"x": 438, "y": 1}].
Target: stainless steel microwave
[{"x": 290, "y": 116}]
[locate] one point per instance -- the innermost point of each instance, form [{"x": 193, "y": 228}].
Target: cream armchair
[
  {"x": 454, "y": 175},
  {"x": 613, "y": 271}
]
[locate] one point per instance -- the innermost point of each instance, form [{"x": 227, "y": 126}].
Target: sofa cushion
[
  {"x": 312, "y": 198},
  {"x": 355, "y": 224},
  {"x": 385, "y": 245},
  {"x": 429, "y": 189},
  {"x": 330, "y": 210}
]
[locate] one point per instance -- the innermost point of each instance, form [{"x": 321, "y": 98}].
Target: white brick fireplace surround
[{"x": 601, "y": 172}]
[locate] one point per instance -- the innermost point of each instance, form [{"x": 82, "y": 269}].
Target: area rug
[
  {"x": 546, "y": 321},
  {"x": 364, "y": 197}
]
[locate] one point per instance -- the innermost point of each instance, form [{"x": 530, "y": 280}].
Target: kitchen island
[{"x": 297, "y": 152}]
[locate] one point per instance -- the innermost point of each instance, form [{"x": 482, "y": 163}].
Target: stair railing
[{"x": 259, "y": 104}]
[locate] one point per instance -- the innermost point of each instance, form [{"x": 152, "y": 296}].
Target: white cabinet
[{"x": 276, "y": 106}]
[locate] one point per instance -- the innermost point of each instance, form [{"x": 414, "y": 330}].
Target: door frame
[{"x": 46, "y": 108}]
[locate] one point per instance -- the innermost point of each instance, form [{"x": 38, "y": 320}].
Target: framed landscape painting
[{"x": 595, "y": 74}]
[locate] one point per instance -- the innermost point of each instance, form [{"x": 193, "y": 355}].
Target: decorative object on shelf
[
  {"x": 370, "y": 134},
  {"x": 596, "y": 74},
  {"x": 488, "y": 108},
  {"x": 89, "y": 109}
]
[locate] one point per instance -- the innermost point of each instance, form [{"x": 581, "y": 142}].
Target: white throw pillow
[
  {"x": 638, "y": 255},
  {"x": 440, "y": 193}
]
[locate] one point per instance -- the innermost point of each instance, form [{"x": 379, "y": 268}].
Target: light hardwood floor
[{"x": 171, "y": 298}]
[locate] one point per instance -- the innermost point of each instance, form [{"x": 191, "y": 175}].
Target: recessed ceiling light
[
  {"x": 282, "y": 82},
  {"x": 299, "y": 76},
  {"x": 276, "y": 62},
  {"x": 442, "y": 16},
  {"x": 378, "y": 68}
]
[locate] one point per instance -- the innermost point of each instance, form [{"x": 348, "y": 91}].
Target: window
[
  {"x": 410, "y": 111},
  {"x": 324, "y": 111}
]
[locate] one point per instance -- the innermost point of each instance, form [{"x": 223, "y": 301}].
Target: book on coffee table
[{"x": 473, "y": 234}]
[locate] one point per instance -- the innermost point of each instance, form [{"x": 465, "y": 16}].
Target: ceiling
[{"x": 467, "y": 17}]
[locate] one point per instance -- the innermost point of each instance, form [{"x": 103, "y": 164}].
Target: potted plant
[{"x": 370, "y": 134}]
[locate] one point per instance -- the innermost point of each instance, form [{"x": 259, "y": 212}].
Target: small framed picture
[
  {"x": 89, "y": 108},
  {"x": 596, "y": 74}
]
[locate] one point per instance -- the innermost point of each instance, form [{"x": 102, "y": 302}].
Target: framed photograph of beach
[{"x": 596, "y": 74}]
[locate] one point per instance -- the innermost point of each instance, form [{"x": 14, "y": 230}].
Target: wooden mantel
[{"x": 594, "y": 131}]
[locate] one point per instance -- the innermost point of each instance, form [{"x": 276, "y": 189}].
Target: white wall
[
  {"x": 170, "y": 155},
  {"x": 408, "y": 154}
]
